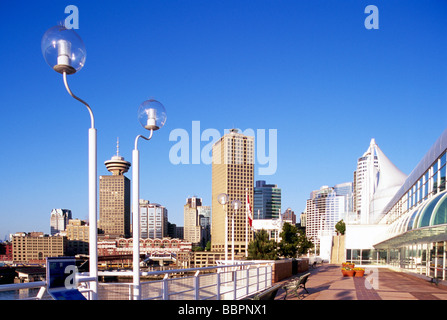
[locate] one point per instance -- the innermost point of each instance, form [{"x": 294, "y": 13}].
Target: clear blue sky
[{"x": 309, "y": 69}]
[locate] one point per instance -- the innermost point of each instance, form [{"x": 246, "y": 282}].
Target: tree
[
  {"x": 340, "y": 227},
  {"x": 261, "y": 248},
  {"x": 293, "y": 242}
]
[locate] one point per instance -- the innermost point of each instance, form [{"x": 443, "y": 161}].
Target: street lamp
[
  {"x": 152, "y": 116},
  {"x": 223, "y": 200},
  {"x": 64, "y": 51},
  {"x": 236, "y": 204}
]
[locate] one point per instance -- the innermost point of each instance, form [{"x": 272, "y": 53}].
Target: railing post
[
  {"x": 248, "y": 280},
  {"x": 257, "y": 279},
  {"x": 165, "y": 287},
  {"x": 235, "y": 284},
  {"x": 196, "y": 285},
  {"x": 218, "y": 286}
]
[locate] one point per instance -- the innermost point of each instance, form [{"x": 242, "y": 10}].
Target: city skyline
[{"x": 311, "y": 71}]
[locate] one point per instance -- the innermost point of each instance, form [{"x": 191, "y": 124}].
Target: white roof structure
[{"x": 388, "y": 181}]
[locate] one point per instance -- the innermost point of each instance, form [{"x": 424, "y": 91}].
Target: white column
[
  {"x": 92, "y": 211},
  {"x": 136, "y": 222}
]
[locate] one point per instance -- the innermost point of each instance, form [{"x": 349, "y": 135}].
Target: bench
[
  {"x": 294, "y": 285},
  {"x": 268, "y": 294}
]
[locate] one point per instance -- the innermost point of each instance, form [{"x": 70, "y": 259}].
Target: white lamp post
[
  {"x": 152, "y": 116},
  {"x": 223, "y": 200},
  {"x": 236, "y": 204},
  {"x": 65, "y": 52}
]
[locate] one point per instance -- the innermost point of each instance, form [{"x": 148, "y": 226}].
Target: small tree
[
  {"x": 288, "y": 247},
  {"x": 261, "y": 248},
  {"x": 340, "y": 227},
  {"x": 293, "y": 242}
]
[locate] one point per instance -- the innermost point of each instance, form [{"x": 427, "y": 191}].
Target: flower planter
[
  {"x": 350, "y": 273},
  {"x": 360, "y": 272}
]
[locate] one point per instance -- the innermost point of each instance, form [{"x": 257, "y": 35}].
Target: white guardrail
[{"x": 222, "y": 282}]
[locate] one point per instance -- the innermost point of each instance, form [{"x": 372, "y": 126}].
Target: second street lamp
[{"x": 152, "y": 116}]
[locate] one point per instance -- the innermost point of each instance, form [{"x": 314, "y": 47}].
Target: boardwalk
[{"x": 327, "y": 283}]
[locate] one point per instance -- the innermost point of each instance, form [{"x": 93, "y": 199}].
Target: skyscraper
[
  {"x": 266, "y": 201},
  {"x": 324, "y": 209},
  {"x": 153, "y": 220},
  {"x": 59, "y": 220},
  {"x": 114, "y": 198},
  {"x": 233, "y": 174},
  {"x": 191, "y": 220}
]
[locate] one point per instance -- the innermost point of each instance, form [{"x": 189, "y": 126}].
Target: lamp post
[
  {"x": 65, "y": 52},
  {"x": 236, "y": 204},
  {"x": 152, "y": 116},
  {"x": 223, "y": 200}
]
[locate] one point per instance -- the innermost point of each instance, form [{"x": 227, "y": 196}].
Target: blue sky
[{"x": 309, "y": 69}]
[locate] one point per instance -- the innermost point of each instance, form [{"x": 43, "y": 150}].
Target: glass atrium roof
[{"x": 426, "y": 222}]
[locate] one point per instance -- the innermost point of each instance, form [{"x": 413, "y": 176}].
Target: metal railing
[{"x": 224, "y": 282}]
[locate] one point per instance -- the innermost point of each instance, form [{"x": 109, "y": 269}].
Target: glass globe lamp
[
  {"x": 236, "y": 204},
  {"x": 222, "y": 198},
  {"x": 63, "y": 49},
  {"x": 152, "y": 114}
]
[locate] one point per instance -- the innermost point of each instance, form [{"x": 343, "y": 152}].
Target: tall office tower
[
  {"x": 205, "y": 223},
  {"x": 323, "y": 210},
  {"x": 192, "y": 229},
  {"x": 114, "y": 198},
  {"x": 266, "y": 201},
  {"x": 376, "y": 181},
  {"x": 289, "y": 216},
  {"x": 153, "y": 220},
  {"x": 59, "y": 220},
  {"x": 233, "y": 174}
]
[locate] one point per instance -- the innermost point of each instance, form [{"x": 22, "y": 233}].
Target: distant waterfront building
[
  {"x": 233, "y": 174},
  {"x": 59, "y": 220},
  {"x": 153, "y": 220},
  {"x": 114, "y": 198},
  {"x": 77, "y": 234},
  {"x": 267, "y": 201},
  {"x": 34, "y": 247}
]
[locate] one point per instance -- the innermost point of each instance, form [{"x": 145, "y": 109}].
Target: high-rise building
[
  {"x": 289, "y": 216},
  {"x": 266, "y": 201},
  {"x": 376, "y": 181},
  {"x": 324, "y": 209},
  {"x": 205, "y": 223},
  {"x": 153, "y": 220},
  {"x": 59, "y": 220},
  {"x": 197, "y": 219},
  {"x": 233, "y": 174},
  {"x": 191, "y": 220},
  {"x": 114, "y": 198}
]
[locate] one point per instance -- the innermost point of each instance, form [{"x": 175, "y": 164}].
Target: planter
[
  {"x": 359, "y": 273},
  {"x": 350, "y": 273}
]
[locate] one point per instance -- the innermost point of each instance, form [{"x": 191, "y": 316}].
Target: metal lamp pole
[{"x": 152, "y": 116}]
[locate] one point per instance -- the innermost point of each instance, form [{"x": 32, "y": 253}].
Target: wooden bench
[
  {"x": 294, "y": 285},
  {"x": 268, "y": 294}
]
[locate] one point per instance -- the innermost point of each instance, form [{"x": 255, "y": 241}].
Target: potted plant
[
  {"x": 347, "y": 272},
  {"x": 359, "y": 272}
]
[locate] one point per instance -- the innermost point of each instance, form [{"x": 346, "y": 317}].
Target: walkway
[{"x": 327, "y": 283}]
